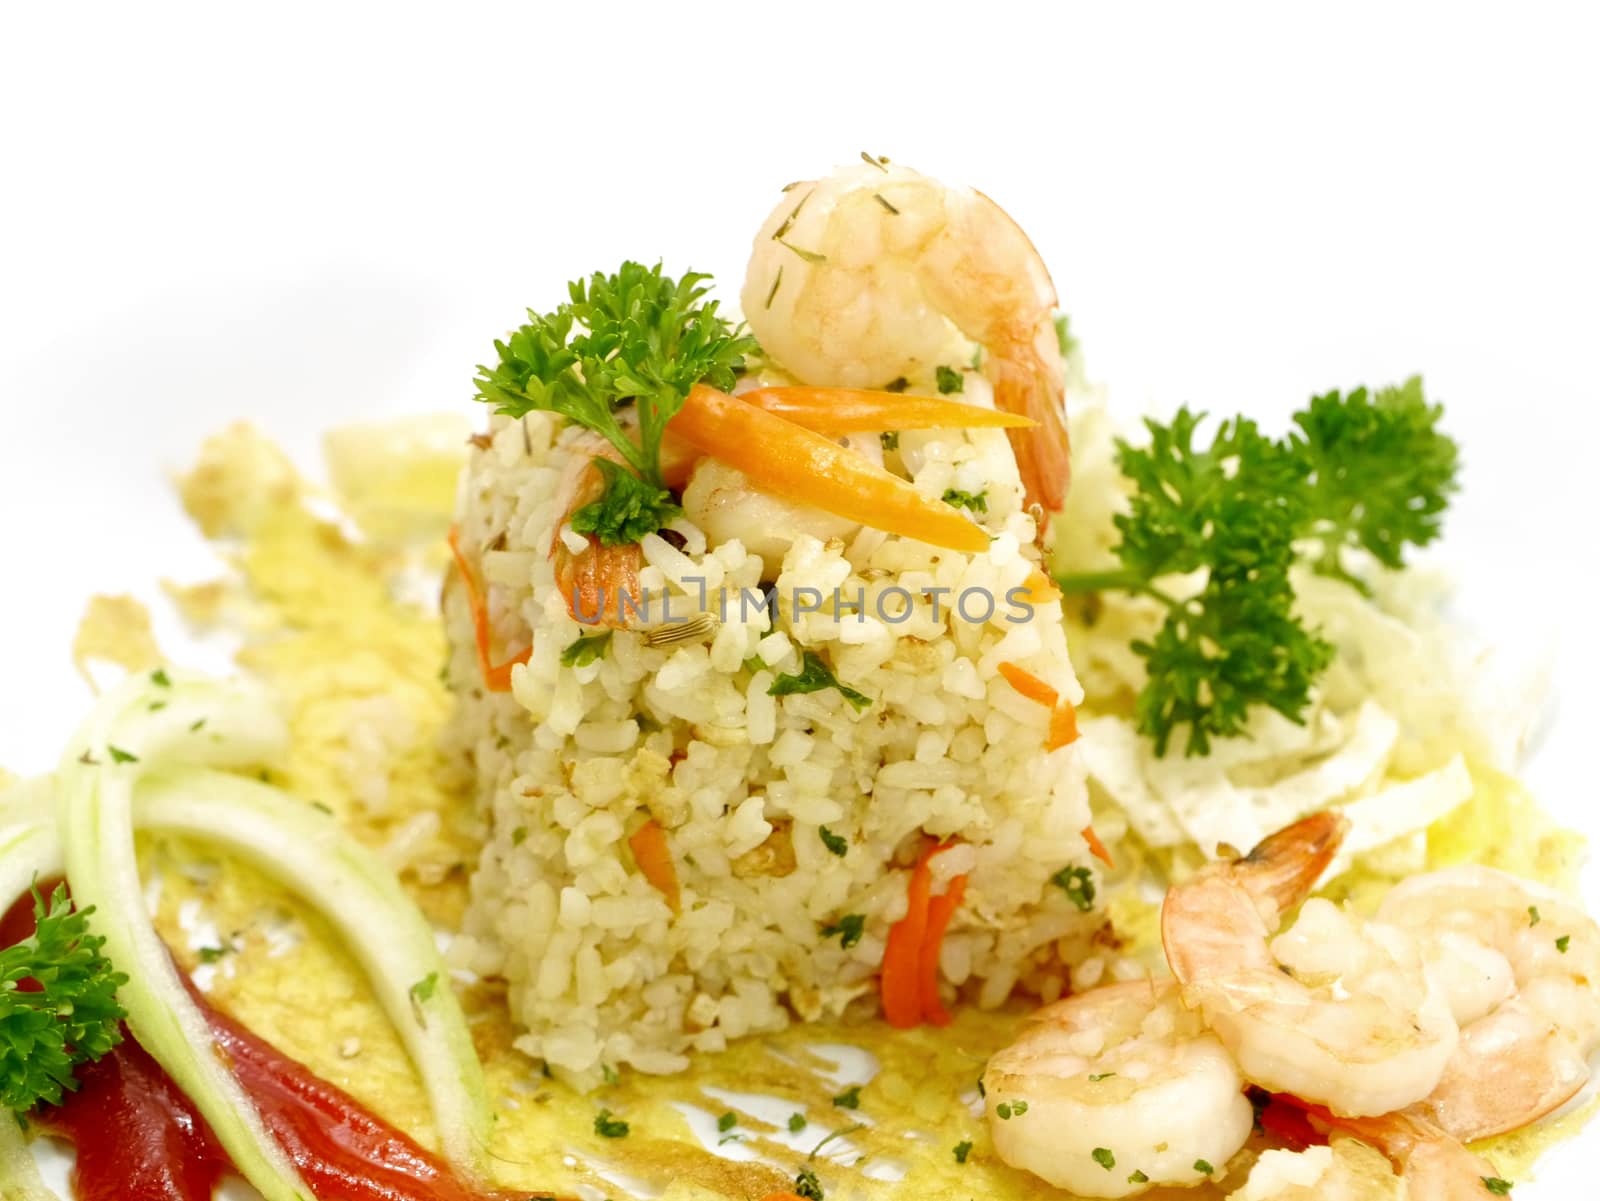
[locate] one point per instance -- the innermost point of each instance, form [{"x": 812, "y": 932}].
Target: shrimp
[
  {"x": 864, "y": 277},
  {"x": 1344, "y": 1170},
  {"x": 595, "y": 578},
  {"x": 1332, "y": 1011},
  {"x": 1117, "y": 1090},
  {"x": 1434, "y": 1166},
  {"x": 1521, "y": 969},
  {"x": 726, "y": 506}
]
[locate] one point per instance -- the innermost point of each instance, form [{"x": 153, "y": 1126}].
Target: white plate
[{"x": 308, "y": 219}]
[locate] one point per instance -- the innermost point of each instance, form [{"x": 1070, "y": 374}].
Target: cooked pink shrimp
[
  {"x": 1333, "y": 1011},
  {"x": 1520, "y": 966},
  {"x": 1434, "y": 1166},
  {"x": 865, "y": 276}
]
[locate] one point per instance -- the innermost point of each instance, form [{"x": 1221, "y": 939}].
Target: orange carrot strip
[
  {"x": 940, "y": 910},
  {"x": 496, "y": 677},
  {"x": 807, "y": 468},
  {"x": 861, "y": 410},
  {"x": 1028, "y": 684},
  {"x": 1063, "y": 726},
  {"x": 899, "y": 985},
  {"x": 654, "y": 857},
  {"x": 1040, "y": 589},
  {"x": 1096, "y": 847}
]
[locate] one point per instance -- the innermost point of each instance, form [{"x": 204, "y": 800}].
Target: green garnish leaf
[
  {"x": 950, "y": 380},
  {"x": 118, "y": 755},
  {"x": 636, "y": 337},
  {"x": 1078, "y": 884},
  {"x": 1379, "y": 472},
  {"x": 814, "y": 676},
  {"x": 160, "y": 679},
  {"x": 977, "y": 502},
  {"x": 836, "y": 844},
  {"x": 1533, "y": 916},
  {"x": 1064, "y": 338},
  {"x": 1358, "y": 472},
  {"x": 627, "y": 510},
  {"x": 1099, "y": 1076},
  {"x": 850, "y": 1098},
  {"x": 848, "y": 929},
  {"x": 890, "y": 440},
  {"x": 961, "y": 1150},
  {"x": 1138, "y": 1177},
  {"x": 212, "y": 954},
  {"x": 1500, "y": 1188},
  {"x": 1104, "y": 1157},
  {"x": 72, "y": 1018},
  {"x": 797, "y": 1123},
  {"x": 1203, "y": 1167},
  {"x": 806, "y": 1185},
  {"x": 1563, "y": 942},
  {"x": 586, "y": 649},
  {"x": 607, "y": 1126},
  {"x": 727, "y": 1122}
]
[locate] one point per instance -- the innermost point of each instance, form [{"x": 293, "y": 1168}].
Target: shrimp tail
[
  {"x": 1435, "y": 1166},
  {"x": 1283, "y": 868},
  {"x": 1044, "y": 453}
]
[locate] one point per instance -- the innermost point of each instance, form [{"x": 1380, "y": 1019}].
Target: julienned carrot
[
  {"x": 899, "y": 986},
  {"x": 1040, "y": 589},
  {"x": 909, "y": 985},
  {"x": 1096, "y": 847},
  {"x": 496, "y": 677},
  {"x": 1028, "y": 684},
  {"x": 940, "y": 910},
  {"x": 861, "y": 410},
  {"x": 1063, "y": 726},
  {"x": 654, "y": 857},
  {"x": 796, "y": 464}
]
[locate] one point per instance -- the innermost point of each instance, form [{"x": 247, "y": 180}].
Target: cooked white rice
[{"x": 599, "y": 971}]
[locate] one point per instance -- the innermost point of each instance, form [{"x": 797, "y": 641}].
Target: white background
[{"x": 304, "y": 216}]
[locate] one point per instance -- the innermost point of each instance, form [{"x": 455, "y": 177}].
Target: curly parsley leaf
[
  {"x": 1358, "y": 472},
  {"x": 815, "y": 676},
  {"x": 1379, "y": 471},
  {"x": 627, "y": 510},
  {"x": 71, "y": 1018},
  {"x": 848, "y": 929},
  {"x": 636, "y": 337},
  {"x": 977, "y": 502}
]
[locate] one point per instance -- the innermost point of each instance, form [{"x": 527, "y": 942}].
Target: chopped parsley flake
[
  {"x": 1078, "y": 884},
  {"x": 898, "y": 384},
  {"x": 519, "y": 836},
  {"x": 727, "y": 1122},
  {"x": 607, "y": 1126},
  {"x": 850, "y": 1098},
  {"x": 1495, "y": 1185},
  {"x": 118, "y": 755},
  {"x": 1138, "y": 1177},
  {"x": 212, "y": 954},
  {"x": 806, "y": 1185},
  {"x": 422, "y": 991},
  {"x": 1203, "y": 1167},
  {"x": 961, "y": 1151},
  {"x": 848, "y": 928},
  {"x": 890, "y": 440},
  {"x": 587, "y": 649},
  {"x": 1563, "y": 942},
  {"x": 1005, "y": 1111},
  {"x": 976, "y": 502},
  {"x": 835, "y": 844},
  {"x": 1104, "y": 1157},
  {"x": 950, "y": 380},
  {"x": 815, "y": 676},
  {"x": 1099, "y": 1076},
  {"x": 160, "y": 678},
  {"x": 797, "y": 1123},
  {"x": 1533, "y": 916}
]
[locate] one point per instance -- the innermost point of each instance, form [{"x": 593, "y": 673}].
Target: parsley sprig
[
  {"x": 71, "y": 1018},
  {"x": 635, "y": 337},
  {"x": 1367, "y": 471}
]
